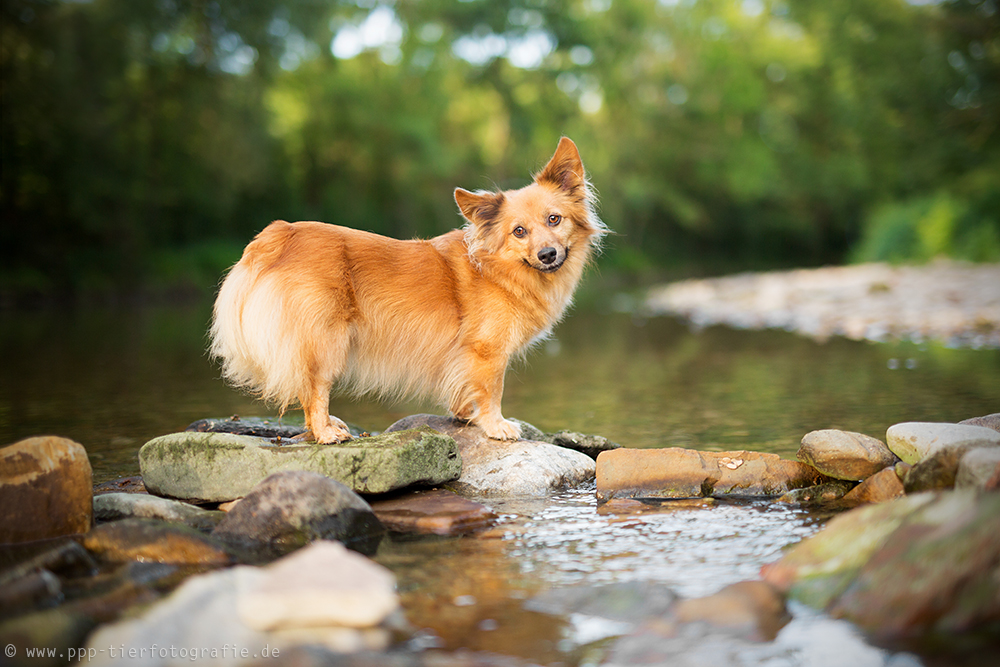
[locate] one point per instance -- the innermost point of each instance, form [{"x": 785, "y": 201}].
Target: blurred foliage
[{"x": 144, "y": 143}]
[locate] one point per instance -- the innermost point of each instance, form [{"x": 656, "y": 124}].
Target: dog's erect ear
[
  {"x": 565, "y": 169},
  {"x": 480, "y": 208}
]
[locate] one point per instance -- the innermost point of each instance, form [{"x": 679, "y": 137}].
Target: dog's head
[{"x": 540, "y": 225}]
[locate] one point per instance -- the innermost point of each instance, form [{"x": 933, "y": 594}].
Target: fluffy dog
[{"x": 312, "y": 305}]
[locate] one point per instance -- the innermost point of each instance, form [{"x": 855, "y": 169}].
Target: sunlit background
[{"x": 143, "y": 143}]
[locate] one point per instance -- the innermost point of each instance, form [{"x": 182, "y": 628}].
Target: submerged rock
[
  {"x": 844, "y": 454},
  {"x": 290, "y": 509},
  {"x": 821, "y": 493},
  {"x": 46, "y": 489},
  {"x": 114, "y": 506},
  {"x": 132, "y": 484},
  {"x": 500, "y": 468},
  {"x": 220, "y": 466},
  {"x": 152, "y": 540},
  {"x": 916, "y": 441},
  {"x": 438, "y": 511},
  {"x": 751, "y": 609},
  {"x": 675, "y": 472},
  {"x": 911, "y": 568}
]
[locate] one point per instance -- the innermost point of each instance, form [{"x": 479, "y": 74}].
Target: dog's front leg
[{"x": 487, "y": 388}]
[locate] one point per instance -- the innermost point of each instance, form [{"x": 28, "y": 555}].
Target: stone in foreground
[
  {"x": 844, "y": 454},
  {"x": 216, "y": 467},
  {"x": 323, "y": 584},
  {"x": 523, "y": 468},
  {"x": 675, "y": 472},
  {"x": 46, "y": 489}
]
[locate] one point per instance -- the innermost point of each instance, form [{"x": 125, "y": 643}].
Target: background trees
[{"x": 143, "y": 143}]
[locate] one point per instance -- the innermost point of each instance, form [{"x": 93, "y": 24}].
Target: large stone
[
  {"x": 290, "y": 509},
  {"x": 151, "y": 540},
  {"x": 46, "y": 489},
  {"x": 675, "y": 472},
  {"x": 820, "y": 567},
  {"x": 915, "y": 441},
  {"x": 512, "y": 469},
  {"x": 989, "y": 421},
  {"x": 114, "y": 506},
  {"x": 321, "y": 585},
  {"x": 751, "y": 609},
  {"x": 977, "y": 467},
  {"x": 882, "y": 486},
  {"x": 438, "y": 512},
  {"x": 844, "y": 454},
  {"x": 937, "y": 574},
  {"x": 221, "y": 466}
]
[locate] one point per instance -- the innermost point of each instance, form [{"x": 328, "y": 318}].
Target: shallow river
[{"x": 114, "y": 379}]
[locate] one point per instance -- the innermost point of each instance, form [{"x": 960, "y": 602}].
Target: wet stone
[
  {"x": 218, "y": 467},
  {"x": 290, "y": 509},
  {"x": 438, "y": 512},
  {"x": 883, "y": 486},
  {"x": 114, "y": 506},
  {"x": 524, "y": 468},
  {"x": 154, "y": 540},
  {"x": 751, "y": 609},
  {"x": 675, "y": 472},
  {"x": 844, "y": 454},
  {"x": 46, "y": 489},
  {"x": 819, "y": 494},
  {"x": 131, "y": 484}
]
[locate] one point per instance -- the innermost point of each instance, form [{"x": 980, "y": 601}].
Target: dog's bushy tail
[{"x": 251, "y": 334}]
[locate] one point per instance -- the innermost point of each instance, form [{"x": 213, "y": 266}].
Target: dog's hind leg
[{"x": 324, "y": 367}]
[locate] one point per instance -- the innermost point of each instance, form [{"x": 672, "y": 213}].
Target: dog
[{"x": 311, "y": 305}]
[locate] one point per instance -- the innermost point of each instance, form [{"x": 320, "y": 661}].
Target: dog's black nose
[{"x": 547, "y": 255}]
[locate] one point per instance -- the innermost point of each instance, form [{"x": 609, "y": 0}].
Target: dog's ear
[
  {"x": 479, "y": 208},
  {"x": 565, "y": 169}
]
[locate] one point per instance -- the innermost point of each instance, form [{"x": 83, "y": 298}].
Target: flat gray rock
[
  {"x": 216, "y": 467},
  {"x": 114, "y": 506}
]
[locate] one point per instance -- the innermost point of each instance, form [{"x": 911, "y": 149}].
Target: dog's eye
[
  {"x": 554, "y": 220},
  {"x": 519, "y": 232}
]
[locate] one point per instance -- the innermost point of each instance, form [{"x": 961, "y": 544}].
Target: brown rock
[
  {"x": 132, "y": 484},
  {"x": 844, "y": 454},
  {"x": 46, "y": 489},
  {"x": 880, "y": 487},
  {"x": 819, "y": 494},
  {"x": 674, "y": 472},
  {"x": 439, "y": 512},
  {"x": 150, "y": 540},
  {"x": 753, "y": 609},
  {"x": 989, "y": 421}
]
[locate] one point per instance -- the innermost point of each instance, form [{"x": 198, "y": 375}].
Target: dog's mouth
[{"x": 551, "y": 267}]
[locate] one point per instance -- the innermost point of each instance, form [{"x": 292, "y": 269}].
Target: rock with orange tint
[
  {"x": 753, "y": 609},
  {"x": 152, "y": 540},
  {"x": 46, "y": 489},
  {"x": 674, "y": 472},
  {"x": 880, "y": 487},
  {"x": 437, "y": 512}
]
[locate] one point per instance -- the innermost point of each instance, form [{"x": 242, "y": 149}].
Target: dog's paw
[
  {"x": 334, "y": 431},
  {"x": 503, "y": 430}
]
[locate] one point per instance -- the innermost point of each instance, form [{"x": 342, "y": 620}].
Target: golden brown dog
[{"x": 311, "y": 305}]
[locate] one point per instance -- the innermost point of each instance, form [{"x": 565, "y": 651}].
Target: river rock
[
  {"x": 977, "y": 467},
  {"x": 675, "y": 472},
  {"x": 131, "y": 484},
  {"x": 844, "y": 454},
  {"x": 290, "y": 509},
  {"x": 915, "y": 441},
  {"x": 751, "y": 609},
  {"x": 819, "y": 568},
  {"x": 882, "y": 486},
  {"x": 523, "y": 468},
  {"x": 819, "y": 494},
  {"x": 152, "y": 540},
  {"x": 220, "y": 466},
  {"x": 45, "y": 489},
  {"x": 936, "y": 574},
  {"x": 591, "y": 445},
  {"x": 114, "y": 506},
  {"x": 989, "y": 421},
  {"x": 323, "y": 584},
  {"x": 438, "y": 512}
]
